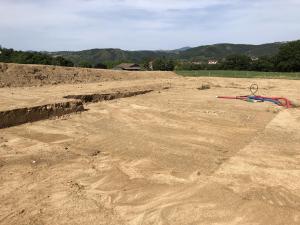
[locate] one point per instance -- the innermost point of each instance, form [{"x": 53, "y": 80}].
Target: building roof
[{"x": 128, "y": 66}]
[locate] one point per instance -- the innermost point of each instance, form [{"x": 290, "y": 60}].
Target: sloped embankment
[{"x": 17, "y": 75}]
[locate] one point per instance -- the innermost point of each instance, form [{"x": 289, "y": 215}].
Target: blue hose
[{"x": 257, "y": 98}]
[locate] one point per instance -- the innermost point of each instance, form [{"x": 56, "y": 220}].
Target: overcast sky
[{"x": 144, "y": 24}]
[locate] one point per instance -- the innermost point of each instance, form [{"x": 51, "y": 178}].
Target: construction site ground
[{"x": 174, "y": 156}]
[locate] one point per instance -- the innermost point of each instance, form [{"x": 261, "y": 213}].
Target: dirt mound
[{"x": 16, "y": 75}]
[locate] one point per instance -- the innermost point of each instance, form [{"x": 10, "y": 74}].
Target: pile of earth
[{"x": 17, "y": 75}]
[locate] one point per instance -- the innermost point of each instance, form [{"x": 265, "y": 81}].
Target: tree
[
  {"x": 237, "y": 62},
  {"x": 6, "y": 55},
  {"x": 100, "y": 66},
  {"x": 159, "y": 64},
  {"x": 170, "y": 65},
  {"x": 112, "y": 64},
  {"x": 264, "y": 63},
  {"x": 11, "y": 56},
  {"x": 60, "y": 61},
  {"x": 147, "y": 63},
  {"x": 85, "y": 65},
  {"x": 163, "y": 64},
  {"x": 288, "y": 58}
]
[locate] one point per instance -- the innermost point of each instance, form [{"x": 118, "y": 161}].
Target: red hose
[
  {"x": 283, "y": 101},
  {"x": 237, "y": 97}
]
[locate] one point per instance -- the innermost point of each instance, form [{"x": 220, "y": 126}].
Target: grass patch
[{"x": 239, "y": 74}]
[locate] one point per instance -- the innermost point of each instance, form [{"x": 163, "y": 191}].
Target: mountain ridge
[{"x": 200, "y": 53}]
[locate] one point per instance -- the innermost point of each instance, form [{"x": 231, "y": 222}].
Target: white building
[{"x": 213, "y": 62}]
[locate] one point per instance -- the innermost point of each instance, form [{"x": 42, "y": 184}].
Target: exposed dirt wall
[
  {"x": 24, "y": 115},
  {"x": 107, "y": 96}
]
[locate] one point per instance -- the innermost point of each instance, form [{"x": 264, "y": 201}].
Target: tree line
[
  {"x": 286, "y": 60},
  {"x": 22, "y": 57},
  {"x": 12, "y": 56}
]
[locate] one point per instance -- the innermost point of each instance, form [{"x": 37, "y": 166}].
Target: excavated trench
[
  {"x": 32, "y": 114},
  {"x": 107, "y": 96},
  {"x": 20, "y": 116}
]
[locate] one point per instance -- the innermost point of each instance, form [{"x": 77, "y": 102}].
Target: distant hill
[
  {"x": 182, "y": 49},
  {"x": 95, "y": 56},
  {"x": 217, "y": 51}
]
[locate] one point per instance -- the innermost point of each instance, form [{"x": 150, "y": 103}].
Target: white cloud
[{"x": 144, "y": 24}]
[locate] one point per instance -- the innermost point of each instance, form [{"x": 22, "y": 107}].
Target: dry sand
[{"x": 178, "y": 156}]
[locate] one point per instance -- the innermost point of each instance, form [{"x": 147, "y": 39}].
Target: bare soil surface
[
  {"x": 173, "y": 156},
  {"x": 13, "y": 98}
]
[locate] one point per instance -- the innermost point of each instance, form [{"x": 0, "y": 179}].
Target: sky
[{"x": 55, "y": 25}]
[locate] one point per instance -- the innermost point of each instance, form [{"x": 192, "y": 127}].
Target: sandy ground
[
  {"x": 14, "y": 98},
  {"x": 171, "y": 157}
]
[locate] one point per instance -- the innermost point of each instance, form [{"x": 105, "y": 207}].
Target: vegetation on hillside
[
  {"x": 286, "y": 60},
  {"x": 276, "y": 57},
  {"x": 202, "y": 53},
  {"x": 12, "y": 56},
  {"x": 220, "y": 51},
  {"x": 112, "y": 57}
]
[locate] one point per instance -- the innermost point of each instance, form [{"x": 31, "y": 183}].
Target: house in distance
[
  {"x": 128, "y": 67},
  {"x": 213, "y": 62}
]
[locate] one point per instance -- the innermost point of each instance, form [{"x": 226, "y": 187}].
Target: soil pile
[{"x": 17, "y": 75}]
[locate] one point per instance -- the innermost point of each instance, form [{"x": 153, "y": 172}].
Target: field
[
  {"x": 239, "y": 74},
  {"x": 171, "y": 155}
]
